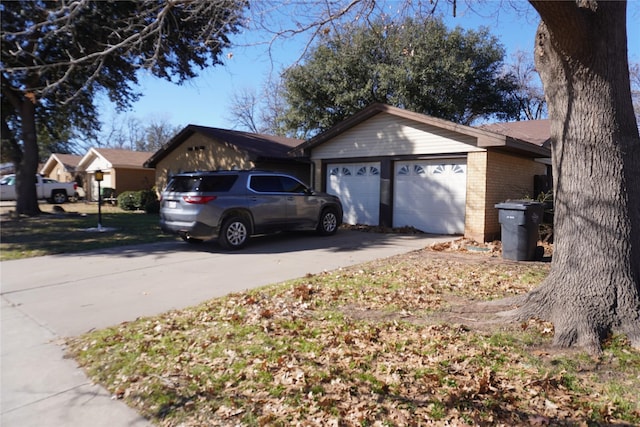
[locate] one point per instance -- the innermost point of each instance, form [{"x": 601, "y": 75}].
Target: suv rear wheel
[
  {"x": 328, "y": 222},
  {"x": 234, "y": 233}
]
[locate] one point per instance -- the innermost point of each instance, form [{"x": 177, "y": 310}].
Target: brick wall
[
  {"x": 199, "y": 153},
  {"x": 474, "y": 225},
  {"x": 133, "y": 179},
  {"x": 494, "y": 177}
]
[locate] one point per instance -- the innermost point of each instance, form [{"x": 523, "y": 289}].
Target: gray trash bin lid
[{"x": 518, "y": 205}]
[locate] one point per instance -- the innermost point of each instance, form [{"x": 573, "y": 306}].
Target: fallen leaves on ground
[{"x": 359, "y": 346}]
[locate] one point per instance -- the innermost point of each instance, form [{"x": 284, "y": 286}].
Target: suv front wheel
[
  {"x": 328, "y": 222},
  {"x": 234, "y": 233}
]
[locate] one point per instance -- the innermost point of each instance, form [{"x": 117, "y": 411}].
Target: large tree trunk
[
  {"x": 593, "y": 288},
  {"x": 27, "y": 199}
]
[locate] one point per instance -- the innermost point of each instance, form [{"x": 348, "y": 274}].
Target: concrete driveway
[{"x": 48, "y": 298}]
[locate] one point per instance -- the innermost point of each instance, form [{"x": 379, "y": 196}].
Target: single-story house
[
  {"x": 62, "y": 167},
  {"x": 123, "y": 170},
  {"x": 396, "y": 168},
  {"x": 200, "y": 148}
]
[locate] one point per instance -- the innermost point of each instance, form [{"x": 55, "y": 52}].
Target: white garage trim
[
  {"x": 358, "y": 187},
  {"x": 430, "y": 195}
]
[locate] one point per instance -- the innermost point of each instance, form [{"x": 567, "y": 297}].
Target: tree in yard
[
  {"x": 593, "y": 288},
  {"x": 417, "y": 64},
  {"x": 132, "y": 133},
  {"x": 260, "y": 112},
  {"x": 155, "y": 134},
  {"x": 57, "y": 56},
  {"x": 243, "y": 109},
  {"x": 528, "y": 93}
]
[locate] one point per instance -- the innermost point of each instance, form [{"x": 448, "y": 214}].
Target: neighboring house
[
  {"x": 61, "y": 167},
  {"x": 396, "y": 168},
  {"x": 123, "y": 171},
  {"x": 200, "y": 148}
]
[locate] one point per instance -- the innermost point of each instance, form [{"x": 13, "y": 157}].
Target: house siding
[
  {"x": 133, "y": 179},
  {"x": 199, "y": 153},
  {"x": 59, "y": 173},
  {"x": 494, "y": 177},
  {"x": 387, "y": 135}
]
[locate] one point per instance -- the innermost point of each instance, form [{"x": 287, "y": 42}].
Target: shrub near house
[{"x": 146, "y": 200}]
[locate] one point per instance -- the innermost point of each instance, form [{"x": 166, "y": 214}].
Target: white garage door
[
  {"x": 358, "y": 186},
  {"x": 430, "y": 195}
]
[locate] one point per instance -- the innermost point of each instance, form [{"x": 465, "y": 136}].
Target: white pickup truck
[{"x": 50, "y": 189}]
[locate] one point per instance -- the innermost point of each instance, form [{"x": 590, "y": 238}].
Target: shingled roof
[
  {"x": 69, "y": 161},
  {"x": 533, "y": 131},
  {"x": 258, "y": 146},
  {"x": 117, "y": 158},
  {"x": 124, "y": 158}
]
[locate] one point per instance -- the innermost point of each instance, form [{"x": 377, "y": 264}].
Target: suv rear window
[{"x": 204, "y": 184}]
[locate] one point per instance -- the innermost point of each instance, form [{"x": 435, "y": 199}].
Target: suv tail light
[{"x": 198, "y": 200}]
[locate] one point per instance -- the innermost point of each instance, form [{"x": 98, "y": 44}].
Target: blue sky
[{"x": 205, "y": 99}]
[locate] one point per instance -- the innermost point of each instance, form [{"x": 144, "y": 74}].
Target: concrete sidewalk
[{"x": 48, "y": 298}]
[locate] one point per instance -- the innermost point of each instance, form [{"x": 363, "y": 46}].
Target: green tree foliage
[
  {"x": 418, "y": 65},
  {"x": 57, "y": 56}
]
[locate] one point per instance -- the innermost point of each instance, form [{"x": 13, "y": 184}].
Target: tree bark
[
  {"x": 593, "y": 288},
  {"x": 26, "y": 196}
]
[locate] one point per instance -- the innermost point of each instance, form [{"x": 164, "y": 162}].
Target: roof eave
[
  {"x": 515, "y": 145},
  {"x": 169, "y": 147},
  {"x": 375, "y": 109}
]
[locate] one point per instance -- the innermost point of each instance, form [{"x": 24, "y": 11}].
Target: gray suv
[{"x": 234, "y": 205}]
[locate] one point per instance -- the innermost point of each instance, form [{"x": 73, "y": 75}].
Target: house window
[
  {"x": 457, "y": 169},
  {"x": 419, "y": 170},
  {"x": 404, "y": 170},
  {"x": 343, "y": 171},
  {"x": 452, "y": 168},
  {"x": 439, "y": 169},
  {"x": 371, "y": 170}
]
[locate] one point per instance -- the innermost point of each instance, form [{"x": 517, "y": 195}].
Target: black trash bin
[{"x": 520, "y": 222}]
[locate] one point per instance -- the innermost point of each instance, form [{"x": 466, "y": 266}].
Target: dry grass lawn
[{"x": 379, "y": 344}]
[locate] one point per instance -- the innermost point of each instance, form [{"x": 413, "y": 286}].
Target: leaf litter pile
[{"x": 372, "y": 345}]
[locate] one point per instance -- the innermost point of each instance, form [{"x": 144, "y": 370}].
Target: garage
[
  {"x": 358, "y": 186},
  {"x": 394, "y": 168},
  {"x": 430, "y": 195}
]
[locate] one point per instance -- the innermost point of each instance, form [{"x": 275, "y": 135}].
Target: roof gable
[
  {"x": 485, "y": 138},
  {"x": 257, "y": 146},
  {"x": 115, "y": 158},
  {"x": 69, "y": 161}
]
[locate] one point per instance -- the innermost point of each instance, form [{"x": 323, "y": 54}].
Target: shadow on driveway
[{"x": 342, "y": 241}]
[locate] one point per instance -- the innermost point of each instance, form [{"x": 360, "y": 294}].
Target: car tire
[
  {"x": 59, "y": 197},
  {"x": 234, "y": 233},
  {"x": 328, "y": 224}
]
